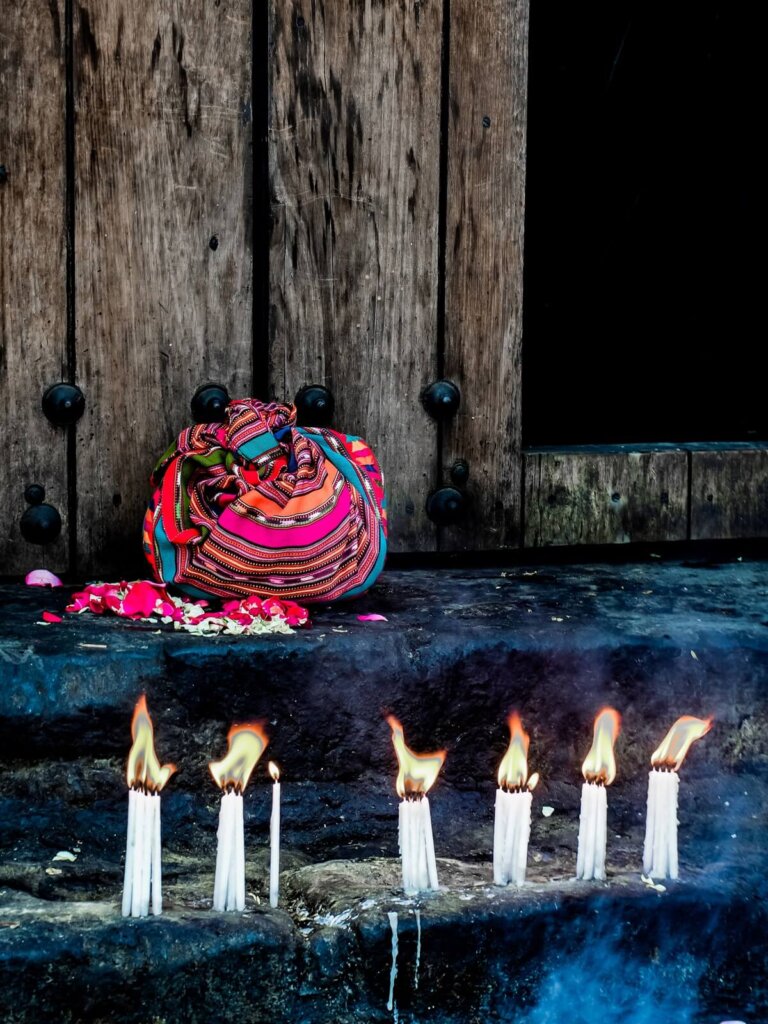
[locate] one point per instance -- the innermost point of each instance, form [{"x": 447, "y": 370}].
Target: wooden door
[
  {"x": 397, "y": 166},
  {"x": 34, "y": 350}
]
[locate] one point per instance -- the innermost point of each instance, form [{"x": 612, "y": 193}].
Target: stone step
[
  {"x": 458, "y": 651},
  {"x": 553, "y": 951}
]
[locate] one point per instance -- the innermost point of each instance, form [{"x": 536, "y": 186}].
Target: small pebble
[{"x": 547, "y": 811}]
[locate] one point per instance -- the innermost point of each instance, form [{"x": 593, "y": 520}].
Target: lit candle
[
  {"x": 660, "y": 858},
  {"x": 274, "y": 838},
  {"x": 512, "y": 819},
  {"x": 246, "y": 745},
  {"x": 143, "y": 885},
  {"x": 416, "y": 775},
  {"x": 599, "y": 770}
]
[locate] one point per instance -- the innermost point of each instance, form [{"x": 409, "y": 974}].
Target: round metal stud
[
  {"x": 34, "y": 494},
  {"x": 40, "y": 524},
  {"x": 209, "y": 403},
  {"x": 63, "y": 404},
  {"x": 314, "y": 406},
  {"x": 446, "y": 506},
  {"x": 460, "y": 472},
  {"x": 441, "y": 399}
]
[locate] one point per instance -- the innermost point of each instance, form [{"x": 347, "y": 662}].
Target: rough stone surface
[{"x": 459, "y": 650}]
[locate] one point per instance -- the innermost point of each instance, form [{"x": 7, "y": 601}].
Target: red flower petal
[
  {"x": 141, "y": 599},
  {"x": 50, "y": 617},
  {"x": 373, "y": 617}
]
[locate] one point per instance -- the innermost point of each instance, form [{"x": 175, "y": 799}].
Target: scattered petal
[
  {"x": 373, "y": 617},
  {"x": 50, "y": 617},
  {"x": 147, "y": 600},
  {"x": 53, "y": 871},
  {"x": 65, "y": 855},
  {"x": 547, "y": 811},
  {"x": 42, "y": 578}
]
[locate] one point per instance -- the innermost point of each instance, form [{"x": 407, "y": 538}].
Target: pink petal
[
  {"x": 373, "y": 617},
  {"x": 50, "y": 617},
  {"x": 141, "y": 599},
  {"x": 42, "y": 578}
]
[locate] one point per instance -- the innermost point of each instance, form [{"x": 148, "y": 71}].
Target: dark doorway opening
[{"x": 643, "y": 318}]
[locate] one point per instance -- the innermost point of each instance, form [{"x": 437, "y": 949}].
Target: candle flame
[
  {"x": 513, "y": 770},
  {"x": 416, "y": 772},
  {"x": 678, "y": 740},
  {"x": 274, "y": 771},
  {"x": 246, "y": 745},
  {"x": 600, "y": 764},
  {"x": 144, "y": 770}
]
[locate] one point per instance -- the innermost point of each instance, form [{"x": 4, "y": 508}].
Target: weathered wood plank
[
  {"x": 729, "y": 492},
  {"x": 32, "y": 270},
  {"x": 484, "y": 263},
  {"x": 163, "y": 241},
  {"x": 594, "y": 497},
  {"x": 354, "y": 165}
]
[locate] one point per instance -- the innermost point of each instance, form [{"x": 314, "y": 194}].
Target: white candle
[
  {"x": 599, "y": 770},
  {"x": 416, "y": 774},
  {"x": 592, "y": 832},
  {"x": 274, "y": 838},
  {"x": 231, "y": 774},
  {"x": 229, "y": 880},
  {"x": 512, "y": 818},
  {"x": 511, "y": 834},
  {"x": 157, "y": 861},
  {"x": 130, "y": 849},
  {"x": 417, "y": 846},
  {"x": 660, "y": 858},
  {"x": 142, "y": 882}
]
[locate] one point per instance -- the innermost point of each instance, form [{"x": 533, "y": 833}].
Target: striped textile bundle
[{"x": 257, "y": 505}]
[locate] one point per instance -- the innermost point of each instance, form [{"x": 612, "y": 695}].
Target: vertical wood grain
[
  {"x": 484, "y": 263},
  {"x": 163, "y": 242},
  {"x": 32, "y": 271},
  {"x": 354, "y": 165}
]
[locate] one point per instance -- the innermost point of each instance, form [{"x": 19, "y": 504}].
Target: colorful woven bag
[{"x": 257, "y": 505}]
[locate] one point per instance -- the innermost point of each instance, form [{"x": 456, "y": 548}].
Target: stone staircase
[{"x": 459, "y": 650}]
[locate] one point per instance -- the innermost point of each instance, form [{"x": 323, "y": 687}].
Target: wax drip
[
  {"x": 418, "y": 949},
  {"x": 392, "y": 915}
]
